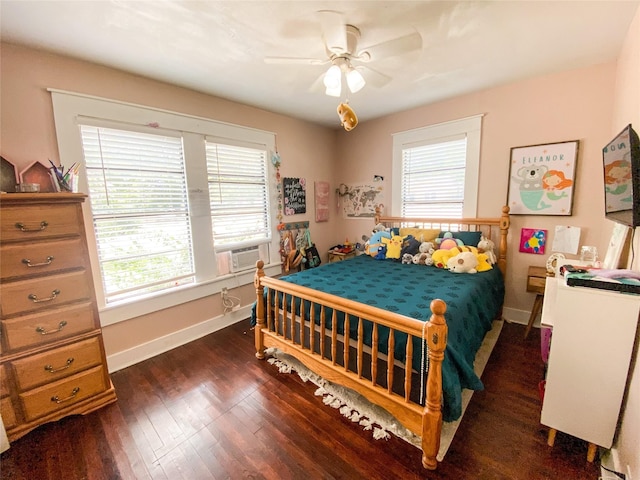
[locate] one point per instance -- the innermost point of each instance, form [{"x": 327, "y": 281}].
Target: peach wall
[
  {"x": 574, "y": 105},
  {"x": 27, "y": 132}
]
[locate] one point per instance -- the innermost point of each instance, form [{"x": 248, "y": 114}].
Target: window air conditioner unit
[{"x": 244, "y": 258}]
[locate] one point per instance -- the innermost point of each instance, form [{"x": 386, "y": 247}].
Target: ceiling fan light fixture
[
  {"x": 332, "y": 77},
  {"x": 355, "y": 80},
  {"x": 333, "y": 91}
]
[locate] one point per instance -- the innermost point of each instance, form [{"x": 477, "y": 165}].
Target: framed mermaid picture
[{"x": 542, "y": 178}]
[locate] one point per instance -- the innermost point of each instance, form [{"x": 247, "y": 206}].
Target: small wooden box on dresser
[{"x": 52, "y": 359}]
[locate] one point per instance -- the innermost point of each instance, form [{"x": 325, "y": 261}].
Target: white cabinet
[{"x": 593, "y": 336}]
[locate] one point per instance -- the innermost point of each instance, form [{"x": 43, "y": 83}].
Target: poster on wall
[
  {"x": 322, "y": 201},
  {"x": 360, "y": 201},
  {"x": 533, "y": 240},
  {"x": 295, "y": 197},
  {"x": 542, "y": 179}
]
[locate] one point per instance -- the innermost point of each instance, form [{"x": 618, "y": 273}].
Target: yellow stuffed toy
[
  {"x": 442, "y": 255},
  {"x": 394, "y": 246}
]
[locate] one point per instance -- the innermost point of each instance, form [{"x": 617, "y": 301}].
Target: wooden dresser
[{"x": 52, "y": 359}]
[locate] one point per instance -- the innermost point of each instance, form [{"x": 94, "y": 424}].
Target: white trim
[
  {"x": 144, "y": 351},
  {"x": 469, "y": 126},
  {"x": 115, "y": 313},
  {"x": 68, "y": 107}
]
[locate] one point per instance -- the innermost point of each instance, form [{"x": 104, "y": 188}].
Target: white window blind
[
  {"x": 238, "y": 194},
  {"x": 433, "y": 179},
  {"x": 138, "y": 195}
]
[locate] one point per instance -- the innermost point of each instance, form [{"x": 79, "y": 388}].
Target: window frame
[
  {"x": 471, "y": 127},
  {"x": 69, "y": 108}
]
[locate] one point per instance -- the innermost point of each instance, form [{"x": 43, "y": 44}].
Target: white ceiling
[{"x": 218, "y": 47}]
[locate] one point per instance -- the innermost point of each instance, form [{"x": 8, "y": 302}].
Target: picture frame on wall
[{"x": 542, "y": 178}]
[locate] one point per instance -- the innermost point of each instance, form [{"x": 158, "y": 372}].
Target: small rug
[{"x": 372, "y": 417}]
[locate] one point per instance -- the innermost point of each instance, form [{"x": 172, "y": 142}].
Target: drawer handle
[
  {"x": 58, "y": 400},
  {"x": 34, "y": 298},
  {"x": 50, "y": 369},
  {"x": 42, "y": 331},
  {"x": 22, "y": 228},
  {"x": 28, "y": 263}
]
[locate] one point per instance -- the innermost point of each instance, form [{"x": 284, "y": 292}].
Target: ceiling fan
[{"x": 347, "y": 58}]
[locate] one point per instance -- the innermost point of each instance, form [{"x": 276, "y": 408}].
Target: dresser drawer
[
  {"x": 64, "y": 393},
  {"x": 8, "y": 413},
  {"x": 44, "y": 292},
  {"x": 41, "y": 258},
  {"x": 55, "y": 364},
  {"x": 46, "y": 327},
  {"x": 40, "y": 221}
]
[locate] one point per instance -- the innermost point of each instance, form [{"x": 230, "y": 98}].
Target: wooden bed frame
[{"x": 324, "y": 353}]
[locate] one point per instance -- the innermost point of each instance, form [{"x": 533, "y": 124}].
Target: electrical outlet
[{"x": 225, "y": 292}]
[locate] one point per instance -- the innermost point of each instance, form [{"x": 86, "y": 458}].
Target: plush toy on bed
[
  {"x": 394, "y": 246},
  {"x": 487, "y": 247},
  {"x": 464, "y": 262},
  {"x": 424, "y": 255},
  {"x": 407, "y": 258},
  {"x": 447, "y": 241},
  {"x": 382, "y": 253}
]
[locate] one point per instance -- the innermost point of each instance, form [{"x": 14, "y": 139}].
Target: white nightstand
[{"x": 593, "y": 337}]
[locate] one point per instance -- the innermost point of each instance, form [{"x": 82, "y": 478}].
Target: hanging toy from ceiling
[{"x": 348, "y": 118}]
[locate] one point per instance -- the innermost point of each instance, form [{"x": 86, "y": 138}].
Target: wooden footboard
[{"x": 316, "y": 342}]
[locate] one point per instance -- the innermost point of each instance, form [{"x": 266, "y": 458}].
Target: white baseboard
[{"x": 126, "y": 358}]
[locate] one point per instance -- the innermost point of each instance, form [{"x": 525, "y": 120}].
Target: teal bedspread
[{"x": 473, "y": 302}]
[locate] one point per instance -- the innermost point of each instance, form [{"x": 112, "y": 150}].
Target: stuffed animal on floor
[
  {"x": 464, "y": 262},
  {"x": 486, "y": 246}
]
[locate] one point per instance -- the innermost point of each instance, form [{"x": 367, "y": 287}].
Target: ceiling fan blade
[
  {"x": 391, "y": 48},
  {"x": 334, "y": 31},
  {"x": 295, "y": 61},
  {"x": 373, "y": 77}
]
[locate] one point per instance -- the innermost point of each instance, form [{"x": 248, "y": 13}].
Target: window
[
  {"x": 238, "y": 194},
  {"x": 169, "y": 195},
  {"x": 138, "y": 194},
  {"x": 435, "y": 170}
]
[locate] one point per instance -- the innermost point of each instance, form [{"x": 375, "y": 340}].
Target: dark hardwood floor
[{"x": 211, "y": 410}]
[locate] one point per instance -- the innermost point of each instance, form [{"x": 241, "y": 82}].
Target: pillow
[
  {"x": 420, "y": 234},
  {"x": 468, "y": 238}
]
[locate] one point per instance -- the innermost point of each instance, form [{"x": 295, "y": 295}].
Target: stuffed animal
[
  {"x": 447, "y": 241},
  {"x": 426, "y": 247},
  {"x": 348, "y": 118},
  {"x": 486, "y": 246},
  {"x": 382, "y": 253},
  {"x": 423, "y": 259},
  {"x": 394, "y": 246},
  {"x": 376, "y": 241},
  {"x": 464, "y": 262},
  {"x": 483, "y": 262},
  {"x": 440, "y": 257},
  {"x": 407, "y": 258}
]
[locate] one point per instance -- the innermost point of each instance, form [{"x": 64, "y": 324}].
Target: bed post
[
  {"x": 436, "y": 338},
  {"x": 376, "y": 219},
  {"x": 504, "y": 230},
  {"x": 260, "y": 319}
]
